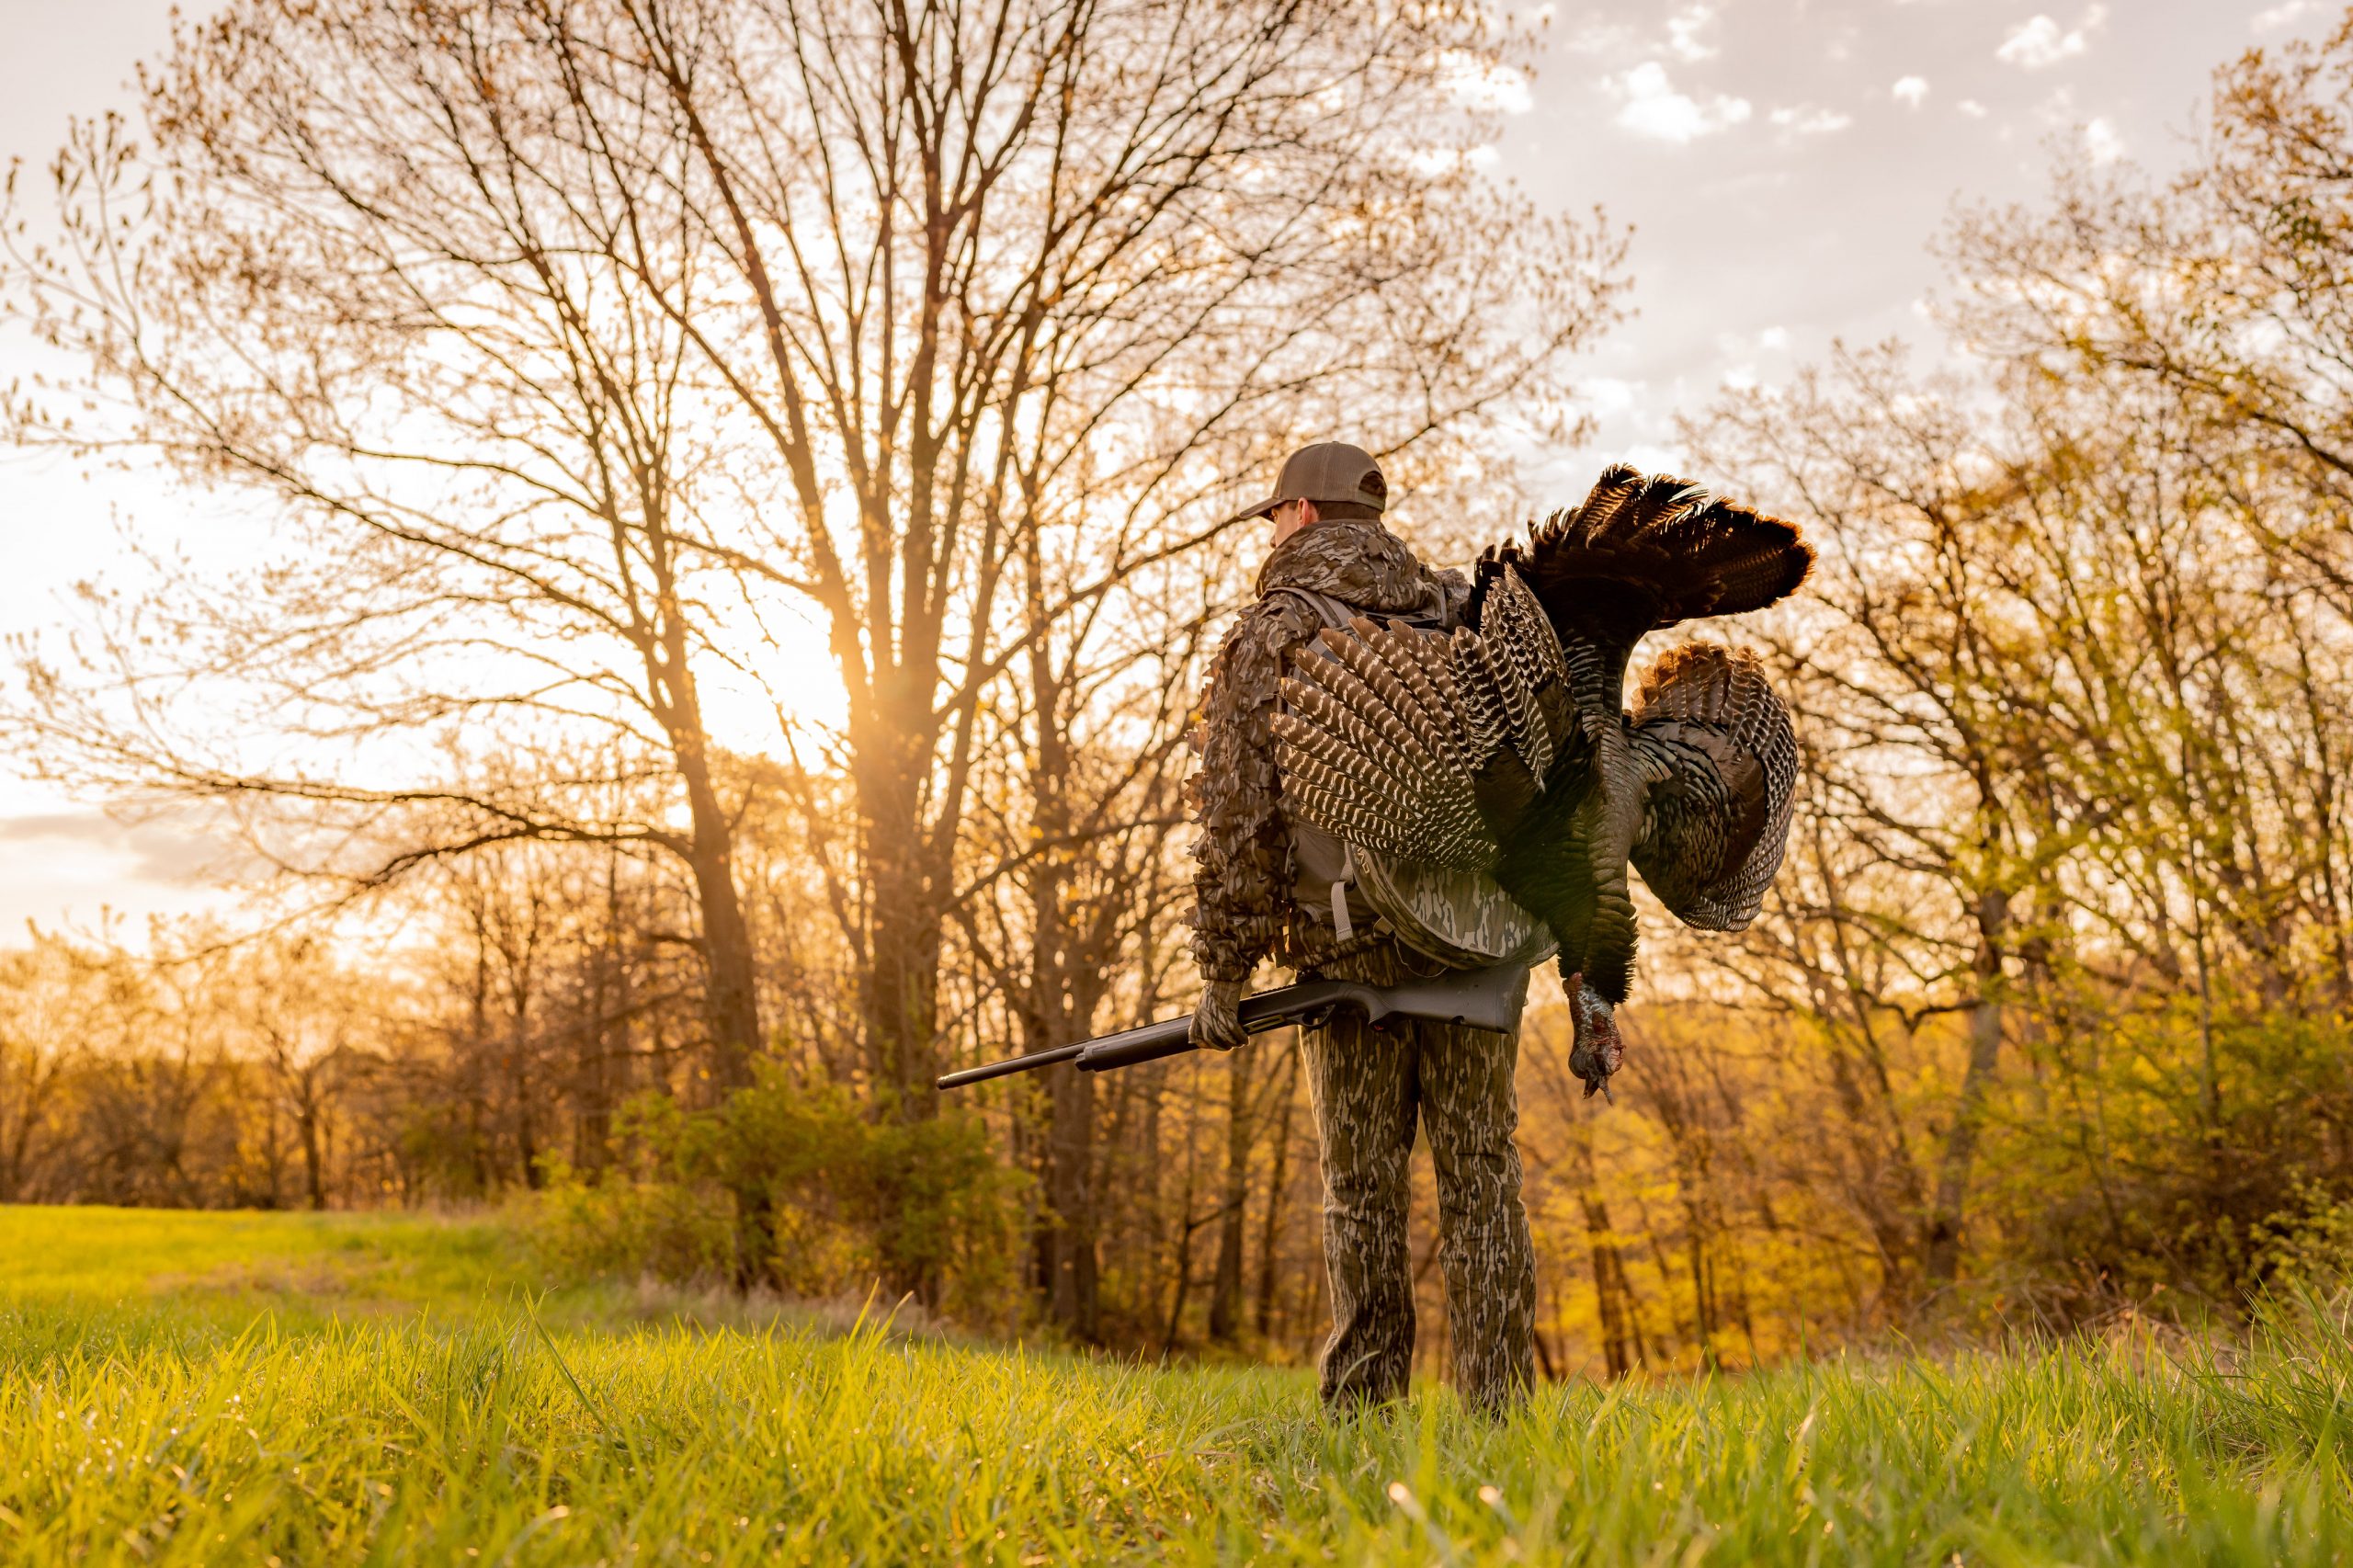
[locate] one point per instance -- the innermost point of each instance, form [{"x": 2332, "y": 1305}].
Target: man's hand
[{"x": 1217, "y": 1022}]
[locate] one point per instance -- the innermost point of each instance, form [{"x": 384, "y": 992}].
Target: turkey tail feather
[
  {"x": 1720, "y": 763},
  {"x": 1669, "y": 540}
]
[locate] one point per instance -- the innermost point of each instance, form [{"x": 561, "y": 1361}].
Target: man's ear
[{"x": 1308, "y": 515}]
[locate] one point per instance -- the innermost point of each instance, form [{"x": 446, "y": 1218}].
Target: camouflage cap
[{"x": 1328, "y": 473}]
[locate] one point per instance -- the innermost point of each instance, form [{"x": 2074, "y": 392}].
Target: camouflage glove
[{"x": 1217, "y": 1022}]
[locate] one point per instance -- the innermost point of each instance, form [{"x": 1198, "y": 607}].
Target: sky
[{"x": 1784, "y": 165}]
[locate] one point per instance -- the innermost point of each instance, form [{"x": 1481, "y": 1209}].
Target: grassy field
[{"x": 186, "y": 1388}]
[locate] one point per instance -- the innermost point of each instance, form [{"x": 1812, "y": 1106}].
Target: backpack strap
[
  {"x": 1340, "y": 921},
  {"x": 1339, "y": 612}
]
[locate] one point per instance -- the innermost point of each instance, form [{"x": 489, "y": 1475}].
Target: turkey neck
[{"x": 1564, "y": 860}]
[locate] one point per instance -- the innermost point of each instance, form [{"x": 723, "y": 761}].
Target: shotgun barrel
[{"x": 1477, "y": 998}]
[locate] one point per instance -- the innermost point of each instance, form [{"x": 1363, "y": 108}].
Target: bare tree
[
  {"x": 363, "y": 268},
  {"x": 1024, "y": 271},
  {"x": 56, "y": 1004},
  {"x": 302, "y": 1019},
  {"x": 574, "y": 340}
]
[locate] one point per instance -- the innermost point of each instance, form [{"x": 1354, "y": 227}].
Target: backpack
[{"x": 1461, "y": 919}]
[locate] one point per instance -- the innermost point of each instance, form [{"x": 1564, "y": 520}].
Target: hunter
[{"x": 1268, "y": 885}]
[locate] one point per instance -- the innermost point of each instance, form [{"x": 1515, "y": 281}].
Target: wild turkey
[{"x": 1504, "y": 748}]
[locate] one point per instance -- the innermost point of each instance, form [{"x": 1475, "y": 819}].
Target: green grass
[
  {"x": 191, "y": 1388},
  {"x": 300, "y": 1264}
]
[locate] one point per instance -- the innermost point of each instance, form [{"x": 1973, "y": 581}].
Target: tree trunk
[
  {"x": 1185, "y": 1226},
  {"x": 1609, "y": 1292},
  {"x": 1941, "y": 1255},
  {"x": 1225, "y": 1294},
  {"x": 1270, "y": 1229},
  {"x": 1609, "y": 1270},
  {"x": 901, "y": 1000},
  {"x": 592, "y": 1069},
  {"x": 733, "y": 1000},
  {"x": 1070, "y": 1281},
  {"x": 1703, "y": 1302},
  {"x": 313, "y": 1177}
]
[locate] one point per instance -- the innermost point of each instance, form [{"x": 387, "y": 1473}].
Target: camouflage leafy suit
[{"x": 1370, "y": 1087}]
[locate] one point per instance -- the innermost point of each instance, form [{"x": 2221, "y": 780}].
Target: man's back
[{"x": 1247, "y": 892}]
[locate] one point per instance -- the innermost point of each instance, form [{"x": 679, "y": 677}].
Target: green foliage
[
  {"x": 2309, "y": 1248},
  {"x": 625, "y": 1225},
  {"x": 818, "y": 1195},
  {"x": 152, "y": 1434},
  {"x": 2138, "y": 1182}
]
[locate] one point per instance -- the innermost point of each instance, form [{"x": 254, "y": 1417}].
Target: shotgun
[{"x": 1477, "y": 998}]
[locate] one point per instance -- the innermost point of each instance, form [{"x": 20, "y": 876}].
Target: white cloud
[
  {"x": 1808, "y": 120},
  {"x": 1972, "y": 108},
  {"x": 1609, "y": 394},
  {"x": 1616, "y": 38},
  {"x": 1651, "y": 107},
  {"x": 1650, "y": 456},
  {"x": 1483, "y": 85},
  {"x": 2282, "y": 15},
  {"x": 1912, "y": 90},
  {"x": 1603, "y": 38},
  {"x": 2038, "y": 43},
  {"x": 2102, "y": 143},
  {"x": 1740, "y": 349},
  {"x": 1683, "y": 30}
]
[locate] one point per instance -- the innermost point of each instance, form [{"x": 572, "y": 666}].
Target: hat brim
[{"x": 1249, "y": 514}]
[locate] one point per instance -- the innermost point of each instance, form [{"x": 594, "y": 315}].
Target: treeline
[{"x": 2047, "y": 1013}]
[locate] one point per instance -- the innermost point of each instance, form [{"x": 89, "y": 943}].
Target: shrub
[{"x": 794, "y": 1186}]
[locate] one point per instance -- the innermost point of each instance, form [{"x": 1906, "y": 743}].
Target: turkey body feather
[{"x": 1505, "y": 748}]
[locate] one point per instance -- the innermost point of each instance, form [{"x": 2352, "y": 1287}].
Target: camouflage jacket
[{"x": 1244, "y": 902}]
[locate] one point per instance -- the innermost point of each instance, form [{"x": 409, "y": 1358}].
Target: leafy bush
[
  {"x": 792, "y": 1185},
  {"x": 2210, "y": 1199}
]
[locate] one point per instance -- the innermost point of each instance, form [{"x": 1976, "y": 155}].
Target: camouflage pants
[{"x": 1370, "y": 1087}]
